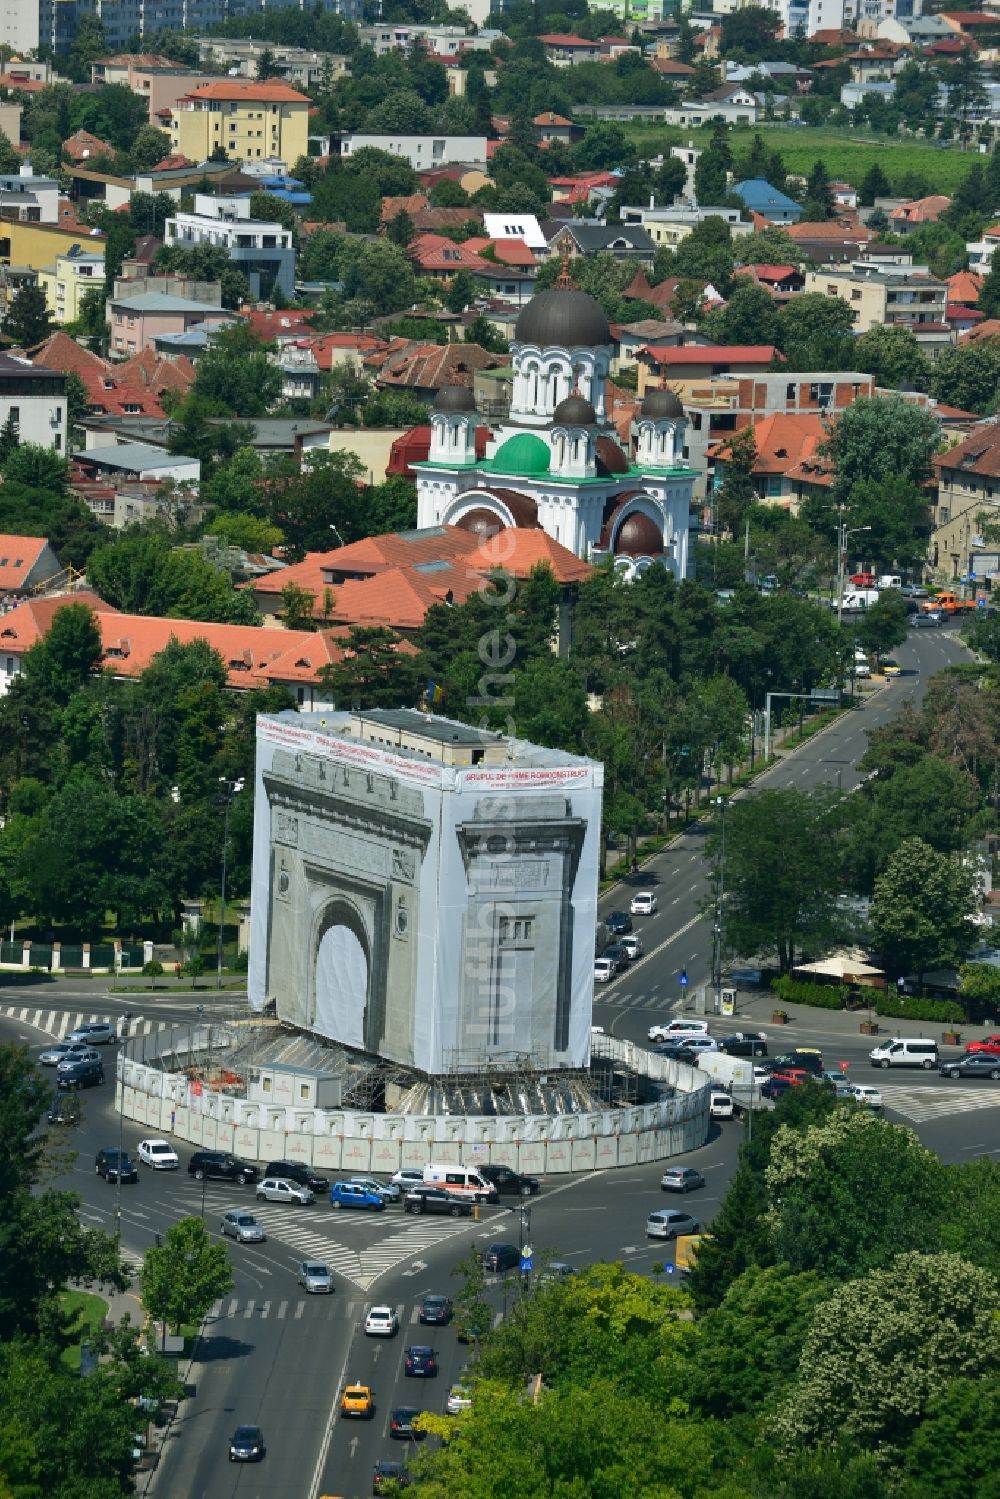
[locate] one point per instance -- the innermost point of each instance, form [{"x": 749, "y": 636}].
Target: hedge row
[
  {"x": 887, "y": 1003},
  {"x": 798, "y": 992},
  {"x": 902, "y": 1007}
]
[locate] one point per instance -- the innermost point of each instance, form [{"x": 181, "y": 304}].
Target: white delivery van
[
  {"x": 464, "y": 1181},
  {"x": 906, "y": 1052},
  {"x": 889, "y": 580}
]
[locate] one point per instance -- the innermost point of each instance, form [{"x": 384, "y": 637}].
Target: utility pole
[{"x": 232, "y": 788}]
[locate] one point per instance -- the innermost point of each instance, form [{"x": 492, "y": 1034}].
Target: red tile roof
[
  {"x": 326, "y": 345},
  {"x": 518, "y": 551},
  {"x": 29, "y": 623},
  {"x": 783, "y": 440},
  {"x": 961, "y": 312},
  {"x": 373, "y": 555},
  {"x": 752, "y": 354},
  {"x": 964, "y": 286},
  {"x": 549, "y": 118},
  {"x": 130, "y": 388},
  {"x": 989, "y": 329},
  {"x": 281, "y": 325},
  {"x": 436, "y": 252},
  {"x": 248, "y": 90},
  {"x": 18, "y": 555},
  {"x": 978, "y": 454},
  {"x": 566, "y": 39},
  {"x": 507, "y": 251},
  {"x": 82, "y": 145}
]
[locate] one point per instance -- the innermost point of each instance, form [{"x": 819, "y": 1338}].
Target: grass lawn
[
  {"x": 847, "y": 153},
  {"x": 86, "y": 1312}
]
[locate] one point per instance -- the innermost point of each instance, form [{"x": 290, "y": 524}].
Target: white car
[
  {"x": 604, "y": 970},
  {"x": 158, "y": 1154},
  {"x": 678, "y": 1030},
  {"x": 864, "y": 1093},
  {"x": 459, "y": 1400},
  {"x": 279, "y": 1189},
  {"x": 631, "y": 945},
  {"x": 643, "y": 903},
  {"x": 381, "y": 1322},
  {"x": 389, "y": 1190},
  {"x": 407, "y": 1177}
]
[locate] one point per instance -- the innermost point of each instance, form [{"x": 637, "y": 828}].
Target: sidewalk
[{"x": 755, "y": 1009}]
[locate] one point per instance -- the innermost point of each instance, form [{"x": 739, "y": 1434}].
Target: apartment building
[
  {"x": 439, "y": 41},
  {"x": 296, "y": 65},
  {"x": 671, "y": 226},
  {"x": 889, "y": 295},
  {"x": 968, "y": 496},
  {"x": 68, "y": 281},
  {"x": 423, "y": 152},
  {"x": 262, "y": 251},
  {"x": 249, "y": 120},
  {"x": 29, "y": 199},
  {"x": 35, "y": 400}
]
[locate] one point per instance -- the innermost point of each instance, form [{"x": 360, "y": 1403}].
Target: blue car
[{"x": 356, "y": 1195}]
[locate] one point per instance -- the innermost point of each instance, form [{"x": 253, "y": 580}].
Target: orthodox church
[{"x": 556, "y": 462}]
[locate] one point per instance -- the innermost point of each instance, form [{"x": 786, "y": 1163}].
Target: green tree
[
  {"x": 882, "y": 438},
  {"x": 883, "y": 626},
  {"x": 794, "y": 836},
  {"x": 815, "y": 332},
  {"x": 603, "y": 146},
  {"x": 749, "y": 35},
  {"x": 955, "y": 1449},
  {"x": 750, "y": 316},
  {"x": 818, "y": 203},
  {"x": 738, "y": 490},
  {"x": 989, "y": 295},
  {"x": 874, "y": 184},
  {"x": 482, "y": 332},
  {"x": 29, "y": 320},
  {"x": 67, "y": 656},
  {"x": 266, "y": 64},
  {"x": 237, "y": 529},
  {"x": 892, "y": 355},
  {"x": 460, "y": 293},
  {"x": 969, "y": 376},
  {"x": 376, "y": 670},
  {"x": 10, "y": 436},
  {"x": 712, "y": 169},
  {"x": 919, "y": 1322},
  {"x": 400, "y": 229},
  {"x": 236, "y": 375},
  {"x": 921, "y": 908},
  {"x": 143, "y": 573},
  {"x": 181, "y": 1278},
  {"x": 379, "y": 273},
  {"x": 41, "y": 468},
  {"x": 473, "y": 1313}
]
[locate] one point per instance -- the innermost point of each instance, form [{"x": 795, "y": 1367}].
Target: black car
[
  {"x": 435, "y": 1311},
  {"x": 401, "y": 1424},
  {"x": 294, "y": 1171},
  {"x": 744, "y": 1044},
  {"x": 388, "y": 1477},
  {"x": 973, "y": 1064},
  {"x": 64, "y": 1109},
  {"x": 506, "y": 1180},
  {"x": 246, "y": 1445},
  {"x": 436, "y": 1200},
  {"x": 112, "y": 1164},
  {"x": 675, "y": 1051},
  {"x": 499, "y": 1257},
  {"x": 83, "y": 1074},
  {"x": 219, "y": 1165},
  {"x": 618, "y": 923},
  {"x": 420, "y": 1362},
  {"x": 807, "y": 1058}
]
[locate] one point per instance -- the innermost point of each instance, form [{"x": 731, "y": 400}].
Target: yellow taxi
[
  {"x": 357, "y": 1400},
  {"x": 891, "y": 669}
]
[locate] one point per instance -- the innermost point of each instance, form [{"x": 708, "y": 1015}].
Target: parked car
[
  {"x": 499, "y": 1257},
  {"x": 676, "y": 1051},
  {"x": 389, "y": 1190},
  {"x": 701, "y": 1043},
  {"x": 51, "y": 1056},
  {"x": 358, "y": 1400},
  {"x": 796, "y": 1076},
  {"x": 243, "y": 1227},
  {"x": 667, "y": 1224},
  {"x": 973, "y": 1064},
  {"x": 436, "y": 1200},
  {"x": 94, "y": 1033},
  {"x": 381, "y": 1322},
  {"x": 988, "y": 1043},
  {"x": 420, "y": 1362},
  {"x": 643, "y": 903},
  {"x": 158, "y": 1154},
  {"x": 435, "y": 1311},
  {"x": 775, "y": 1088},
  {"x": 631, "y": 946},
  {"x": 389, "y": 1476},
  {"x": 87, "y": 1072},
  {"x": 294, "y": 1171},
  {"x": 604, "y": 970},
  {"x": 401, "y": 1424},
  {"x": 618, "y": 923},
  {"x": 870, "y": 1097},
  {"x": 278, "y": 1189},
  {"x": 246, "y": 1445},
  {"x": 408, "y": 1176},
  {"x": 507, "y": 1181},
  {"x": 677, "y": 1030},
  {"x": 315, "y": 1278},
  {"x": 806, "y": 1058},
  {"x": 351, "y": 1195},
  {"x": 64, "y": 1108},
  {"x": 114, "y": 1165},
  {"x": 721, "y": 1106},
  {"x": 744, "y": 1044},
  {"x": 459, "y": 1399},
  {"x": 219, "y": 1165},
  {"x": 681, "y": 1179}
]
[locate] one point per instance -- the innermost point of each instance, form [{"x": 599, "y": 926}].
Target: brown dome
[
  {"x": 481, "y": 522},
  {"x": 639, "y": 536},
  {"x": 610, "y": 458}
]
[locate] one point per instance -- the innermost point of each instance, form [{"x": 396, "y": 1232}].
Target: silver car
[
  {"x": 315, "y": 1277},
  {"x": 389, "y": 1190},
  {"x": 53, "y": 1055},
  {"x": 667, "y": 1225},
  {"x": 243, "y": 1227},
  {"x": 279, "y": 1189}
]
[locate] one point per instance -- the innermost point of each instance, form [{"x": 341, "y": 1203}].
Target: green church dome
[{"x": 524, "y": 453}]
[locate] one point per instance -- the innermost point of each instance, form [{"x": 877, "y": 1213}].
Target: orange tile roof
[
  {"x": 989, "y": 329},
  {"x": 29, "y": 623},
  {"x": 236, "y": 90},
  {"x": 374, "y": 554},
  {"x": 783, "y": 440},
  {"x": 549, "y": 118},
  {"x": 18, "y": 555},
  {"x": 408, "y": 203},
  {"x": 401, "y": 597},
  {"x": 507, "y": 251},
  {"x": 964, "y": 286},
  {"x": 83, "y": 144},
  {"x": 517, "y": 551}
]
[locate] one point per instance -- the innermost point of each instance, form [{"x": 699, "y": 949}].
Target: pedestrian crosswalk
[
  {"x": 937, "y": 1100},
  {"x": 335, "y": 1308},
  {"x": 59, "y": 1023},
  {"x": 621, "y": 999}
]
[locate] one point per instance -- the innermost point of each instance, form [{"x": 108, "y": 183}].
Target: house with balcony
[
  {"x": 891, "y": 296},
  {"x": 261, "y": 250},
  {"x": 248, "y": 120},
  {"x": 68, "y": 281}
]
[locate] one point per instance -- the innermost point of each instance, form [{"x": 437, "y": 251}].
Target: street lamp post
[
  {"x": 767, "y": 717},
  {"x": 720, "y": 905},
  {"x": 232, "y": 788},
  {"x": 842, "y": 534},
  {"x": 126, "y": 1023}
]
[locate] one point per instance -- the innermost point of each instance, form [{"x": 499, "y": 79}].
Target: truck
[
  {"x": 860, "y": 598},
  {"x": 947, "y": 603},
  {"x": 730, "y": 1072}
]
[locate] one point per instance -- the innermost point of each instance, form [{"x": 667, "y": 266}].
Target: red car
[
  {"x": 863, "y": 580},
  {"x": 793, "y": 1075},
  {"x": 988, "y": 1043}
]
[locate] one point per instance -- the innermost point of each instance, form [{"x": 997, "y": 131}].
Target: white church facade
[{"x": 556, "y": 462}]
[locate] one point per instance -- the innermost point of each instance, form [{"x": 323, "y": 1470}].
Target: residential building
[
  {"x": 135, "y": 322},
  {"x": 131, "y": 388},
  {"x": 423, "y": 368},
  {"x": 803, "y": 18},
  {"x": 830, "y": 239},
  {"x": 918, "y": 213},
  {"x": 968, "y": 496},
  {"x": 83, "y": 146},
  {"x": 437, "y": 40},
  {"x": 29, "y": 199},
  {"x": 631, "y": 242},
  {"x": 421, "y": 151},
  {"x": 299, "y": 66},
  {"x": 782, "y": 281},
  {"x": 249, "y": 120},
  {"x": 980, "y": 251},
  {"x": 666, "y": 362},
  {"x": 137, "y": 460},
  {"x": 890, "y": 295},
  {"x": 262, "y": 251},
  {"x": 671, "y": 225},
  {"x": 65, "y": 283},
  {"x": 782, "y": 441},
  {"x": 156, "y": 79},
  {"x": 760, "y": 197},
  {"x": 34, "y": 400},
  {"x": 27, "y": 564}
]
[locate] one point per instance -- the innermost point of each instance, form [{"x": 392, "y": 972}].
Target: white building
[
  {"x": 422, "y": 151},
  {"x": 35, "y": 399},
  {"x": 981, "y": 251},
  {"x": 556, "y": 461},
  {"x": 29, "y": 199},
  {"x": 262, "y": 251},
  {"x": 802, "y": 18}
]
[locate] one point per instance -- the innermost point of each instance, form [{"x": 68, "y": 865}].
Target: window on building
[{"x": 15, "y": 413}]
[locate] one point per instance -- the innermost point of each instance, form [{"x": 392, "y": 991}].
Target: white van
[
  {"x": 889, "y": 580},
  {"x": 906, "y": 1052},
  {"x": 464, "y": 1181}
]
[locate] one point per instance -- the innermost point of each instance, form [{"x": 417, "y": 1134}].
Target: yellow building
[
  {"x": 250, "y": 120},
  {"x": 64, "y": 284}
]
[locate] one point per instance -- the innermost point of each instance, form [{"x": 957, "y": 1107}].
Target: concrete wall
[{"x": 342, "y": 1140}]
